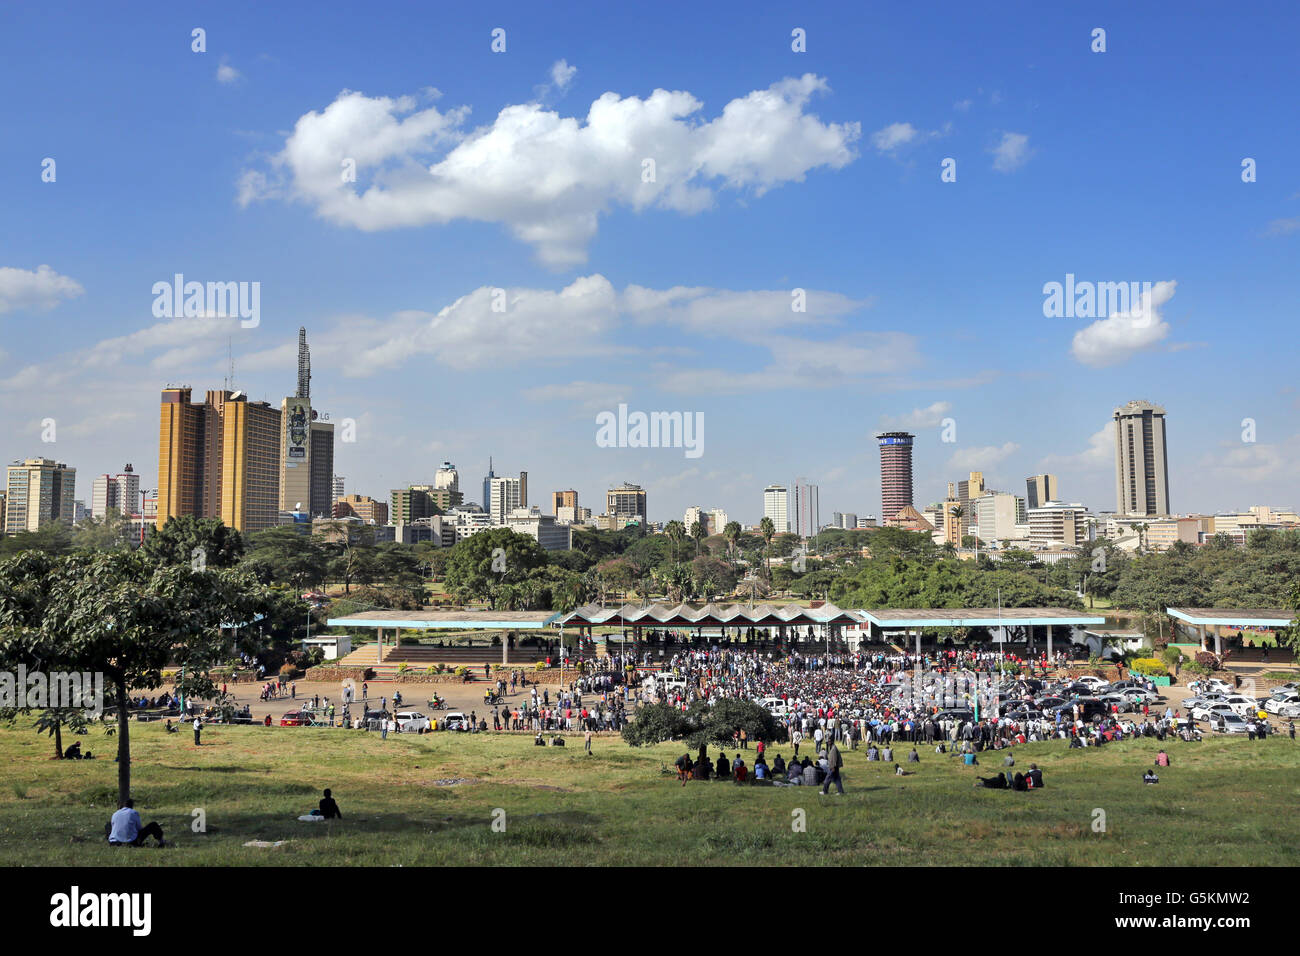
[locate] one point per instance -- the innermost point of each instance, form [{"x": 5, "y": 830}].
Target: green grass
[{"x": 1224, "y": 802}]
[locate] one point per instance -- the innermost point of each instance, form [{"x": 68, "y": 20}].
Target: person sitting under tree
[{"x": 124, "y": 828}]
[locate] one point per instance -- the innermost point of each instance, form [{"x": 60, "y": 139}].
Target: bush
[
  {"x": 440, "y": 668},
  {"x": 717, "y": 723},
  {"x": 1172, "y": 657},
  {"x": 288, "y": 671},
  {"x": 1150, "y": 666},
  {"x": 1197, "y": 668},
  {"x": 403, "y": 667},
  {"x": 1208, "y": 660},
  {"x": 433, "y": 668},
  {"x": 540, "y": 666},
  {"x": 461, "y": 671}
]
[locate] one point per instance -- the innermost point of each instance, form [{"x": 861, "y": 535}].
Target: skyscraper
[
  {"x": 806, "y": 508},
  {"x": 507, "y": 494},
  {"x": 250, "y": 455},
  {"x": 304, "y": 364},
  {"x": 1041, "y": 489},
  {"x": 895, "y": 472},
  {"x": 487, "y": 486},
  {"x": 1141, "y": 464},
  {"x": 563, "y": 499},
  {"x": 340, "y": 487},
  {"x": 189, "y": 454},
  {"x": 322, "y": 468},
  {"x": 967, "y": 492},
  {"x": 776, "y": 506}
]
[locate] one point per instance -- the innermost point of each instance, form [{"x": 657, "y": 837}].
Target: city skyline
[{"x": 679, "y": 292}]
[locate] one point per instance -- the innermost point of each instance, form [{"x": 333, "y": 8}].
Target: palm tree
[
  {"x": 1141, "y": 529},
  {"x": 732, "y": 535},
  {"x": 768, "y": 531},
  {"x": 699, "y": 533},
  {"x": 676, "y": 532},
  {"x": 956, "y": 513}
]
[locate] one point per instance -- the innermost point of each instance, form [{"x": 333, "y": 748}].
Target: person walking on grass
[
  {"x": 198, "y": 727},
  {"x": 587, "y": 742},
  {"x": 833, "y": 763}
]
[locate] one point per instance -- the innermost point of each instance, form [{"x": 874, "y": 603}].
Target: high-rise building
[
  {"x": 3, "y": 499},
  {"x": 339, "y": 486},
  {"x": 304, "y": 365},
  {"x": 806, "y": 508},
  {"x": 505, "y": 495},
  {"x": 251, "y": 446},
  {"x": 895, "y": 472},
  {"x": 693, "y": 515},
  {"x": 1141, "y": 463},
  {"x": 626, "y": 503},
  {"x": 487, "y": 487},
  {"x": 1040, "y": 490},
  {"x": 38, "y": 492},
  {"x": 322, "y": 468},
  {"x": 563, "y": 499},
  {"x": 120, "y": 493},
  {"x": 552, "y": 535},
  {"x": 447, "y": 477},
  {"x": 189, "y": 454},
  {"x": 967, "y": 492},
  {"x": 776, "y": 507},
  {"x": 844, "y": 519},
  {"x": 422, "y": 501},
  {"x": 952, "y": 529},
  {"x": 717, "y": 520}
]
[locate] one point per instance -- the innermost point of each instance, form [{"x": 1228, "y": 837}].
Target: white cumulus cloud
[
  {"x": 42, "y": 288},
  {"x": 546, "y": 177},
  {"x": 1120, "y": 336},
  {"x": 1011, "y": 153}
]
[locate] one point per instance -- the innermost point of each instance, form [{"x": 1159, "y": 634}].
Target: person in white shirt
[
  {"x": 124, "y": 828},
  {"x": 198, "y": 726}
]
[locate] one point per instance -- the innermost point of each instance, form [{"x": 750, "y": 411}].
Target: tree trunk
[
  {"x": 58, "y": 741},
  {"x": 123, "y": 746}
]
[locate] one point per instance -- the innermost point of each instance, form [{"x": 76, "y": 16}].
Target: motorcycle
[{"x": 437, "y": 703}]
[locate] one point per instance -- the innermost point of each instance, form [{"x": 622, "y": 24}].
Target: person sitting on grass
[
  {"x": 778, "y": 765},
  {"x": 914, "y": 757},
  {"x": 969, "y": 759},
  {"x": 557, "y": 741},
  {"x": 995, "y": 782},
  {"x": 538, "y": 741},
  {"x": 329, "y": 808},
  {"x": 794, "y": 774},
  {"x": 873, "y": 753},
  {"x": 900, "y": 772},
  {"x": 740, "y": 771},
  {"x": 1034, "y": 777},
  {"x": 1018, "y": 784},
  {"x": 1149, "y": 776},
  {"x": 124, "y": 828},
  {"x": 684, "y": 767},
  {"x": 1162, "y": 759},
  {"x": 723, "y": 769},
  {"x": 760, "y": 768}
]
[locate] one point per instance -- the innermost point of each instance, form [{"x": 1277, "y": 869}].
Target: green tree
[
  {"x": 482, "y": 566},
  {"x": 187, "y": 539},
  {"x": 768, "y": 531}
]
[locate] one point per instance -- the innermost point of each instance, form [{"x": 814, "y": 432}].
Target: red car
[{"x": 294, "y": 718}]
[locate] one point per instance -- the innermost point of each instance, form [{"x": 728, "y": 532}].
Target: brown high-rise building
[
  {"x": 214, "y": 460},
  {"x": 189, "y": 454},
  {"x": 322, "y": 469},
  {"x": 563, "y": 499},
  {"x": 363, "y": 507},
  {"x": 967, "y": 492},
  {"x": 250, "y": 450},
  {"x": 895, "y": 473}
]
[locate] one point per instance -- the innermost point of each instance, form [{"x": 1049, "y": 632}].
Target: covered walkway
[
  {"x": 396, "y": 621},
  {"x": 1202, "y": 618}
]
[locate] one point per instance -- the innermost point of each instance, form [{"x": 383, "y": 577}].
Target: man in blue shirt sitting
[{"x": 124, "y": 828}]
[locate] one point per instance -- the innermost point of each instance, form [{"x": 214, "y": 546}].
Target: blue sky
[{"x": 775, "y": 170}]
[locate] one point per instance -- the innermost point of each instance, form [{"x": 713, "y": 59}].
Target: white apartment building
[
  {"x": 997, "y": 515},
  {"x": 120, "y": 493},
  {"x": 776, "y": 506}
]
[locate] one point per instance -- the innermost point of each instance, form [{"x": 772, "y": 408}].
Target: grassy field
[{"x": 1223, "y": 802}]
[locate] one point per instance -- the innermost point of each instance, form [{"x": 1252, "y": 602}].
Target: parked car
[
  {"x": 1243, "y": 706},
  {"x": 1283, "y": 707},
  {"x": 1217, "y": 686},
  {"x": 455, "y": 720},
  {"x": 411, "y": 722},
  {"x": 1122, "y": 703},
  {"x": 774, "y": 706},
  {"x": 295, "y": 718},
  {"x": 1212, "y": 712},
  {"x": 1090, "y": 680},
  {"x": 1140, "y": 694},
  {"x": 1229, "y": 724},
  {"x": 1285, "y": 692}
]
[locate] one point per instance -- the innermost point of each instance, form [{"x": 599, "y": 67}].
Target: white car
[
  {"x": 1283, "y": 707},
  {"x": 774, "y": 706},
  {"x": 1212, "y": 712},
  {"x": 1216, "y": 686},
  {"x": 1243, "y": 706},
  {"x": 410, "y": 722},
  {"x": 1093, "y": 682},
  {"x": 455, "y": 721},
  {"x": 1140, "y": 694}
]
